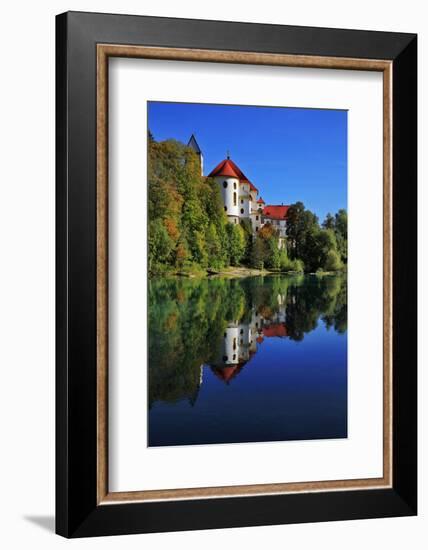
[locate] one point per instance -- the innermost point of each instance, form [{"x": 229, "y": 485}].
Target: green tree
[
  {"x": 341, "y": 223},
  {"x": 236, "y": 243},
  {"x": 272, "y": 252},
  {"x": 213, "y": 244},
  {"x": 248, "y": 236},
  {"x": 318, "y": 244},
  {"x": 160, "y": 244},
  {"x": 329, "y": 222},
  {"x": 300, "y": 224},
  {"x": 341, "y": 231},
  {"x": 285, "y": 264},
  {"x": 332, "y": 261},
  {"x": 258, "y": 253}
]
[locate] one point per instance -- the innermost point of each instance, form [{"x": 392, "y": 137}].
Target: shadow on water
[{"x": 203, "y": 330}]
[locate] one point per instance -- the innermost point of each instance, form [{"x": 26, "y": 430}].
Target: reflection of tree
[
  {"x": 190, "y": 321},
  {"x": 324, "y": 297}
]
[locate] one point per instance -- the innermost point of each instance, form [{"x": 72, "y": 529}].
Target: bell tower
[{"x": 194, "y": 145}]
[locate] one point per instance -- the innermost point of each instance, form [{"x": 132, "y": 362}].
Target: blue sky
[{"x": 289, "y": 154}]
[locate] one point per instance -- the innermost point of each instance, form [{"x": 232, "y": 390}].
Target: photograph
[
  {"x": 212, "y": 275},
  {"x": 247, "y": 273}
]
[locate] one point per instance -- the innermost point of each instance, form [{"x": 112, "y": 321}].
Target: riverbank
[{"x": 235, "y": 272}]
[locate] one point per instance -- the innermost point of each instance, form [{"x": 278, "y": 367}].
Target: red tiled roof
[
  {"x": 227, "y": 373},
  {"x": 276, "y": 329},
  {"x": 229, "y": 169},
  {"x": 275, "y": 211}
]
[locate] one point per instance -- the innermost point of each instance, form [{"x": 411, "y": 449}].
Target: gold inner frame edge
[{"x": 104, "y": 51}]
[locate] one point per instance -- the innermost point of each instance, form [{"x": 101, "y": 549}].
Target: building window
[
  {"x": 234, "y": 184},
  {"x": 241, "y": 331},
  {"x": 225, "y": 358},
  {"x": 242, "y": 201},
  {"x": 225, "y": 184},
  {"x": 234, "y": 357},
  {"x": 242, "y": 210},
  {"x": 236, "y": 221},
  {"x": 225, "y": 208},
  {"x": 234, "y": 199},
  {"x": 225, "y": 335},
  {"x": 257, "y": 218},
  {"x": 234, "y": 344},
  {"x": 257, "y": 228}
]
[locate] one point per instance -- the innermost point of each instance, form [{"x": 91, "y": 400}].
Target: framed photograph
[{"x": 236, "y": 274}]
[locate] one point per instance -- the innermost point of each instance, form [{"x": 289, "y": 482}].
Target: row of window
[
  {"x": 242, "y": 211},
  {"x": 240, "y": 332},
  {"x": 226, "y": 358}
]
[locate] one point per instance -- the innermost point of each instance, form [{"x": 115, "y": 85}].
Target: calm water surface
[{"x": 245, "y": 360}]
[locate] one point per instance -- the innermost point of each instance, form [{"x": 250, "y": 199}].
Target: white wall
[{"x": 27, "y": 272}]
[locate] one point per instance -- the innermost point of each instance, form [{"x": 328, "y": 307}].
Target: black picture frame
[{"x": 77, "y": 512}]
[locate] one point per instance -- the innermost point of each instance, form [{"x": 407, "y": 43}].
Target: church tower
[
  {"x": 194, "y": 145},
  {"x": 237, "y": 191}
]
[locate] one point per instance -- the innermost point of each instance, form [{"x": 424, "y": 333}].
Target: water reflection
[{"x": 210, "y": 330}]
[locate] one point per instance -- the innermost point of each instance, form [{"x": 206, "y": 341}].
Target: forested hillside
[{"x": 189, "y": 231}]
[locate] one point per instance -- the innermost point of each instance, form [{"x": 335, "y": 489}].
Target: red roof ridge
[
  {"x": 278, "y": 330},
  {"x": 228, "y": 168},
  {"x": 276, "y": 211}
]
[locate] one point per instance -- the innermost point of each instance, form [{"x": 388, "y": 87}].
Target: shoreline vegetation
[
  {"x": 239, "y": 272},
  {"x": 189, "y": 234}
]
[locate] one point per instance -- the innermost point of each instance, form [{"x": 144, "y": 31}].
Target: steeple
[{"x": 195, "y": 146}]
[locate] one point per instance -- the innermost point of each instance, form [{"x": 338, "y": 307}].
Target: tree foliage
[
  {"x": 189, "y": 228},
  {"x": 319, "y": 248},
  {"x": 339, "y": 225},
  {"x": 187, "y": 221}
]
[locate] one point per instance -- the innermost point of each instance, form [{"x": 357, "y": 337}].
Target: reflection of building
[
  {"x": 240, "y": 340},
  {"x": 274, "y": 326},
  {"x": 194, "y": 395},
  {"x": 240, "y": 196},
  {"x": 273, "y": 330}
]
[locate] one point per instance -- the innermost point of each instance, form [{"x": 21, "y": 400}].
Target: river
[{"x": 247, "y": 360}]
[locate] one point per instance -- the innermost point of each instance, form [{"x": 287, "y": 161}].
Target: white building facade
[{"x": 240, "y": 197}]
